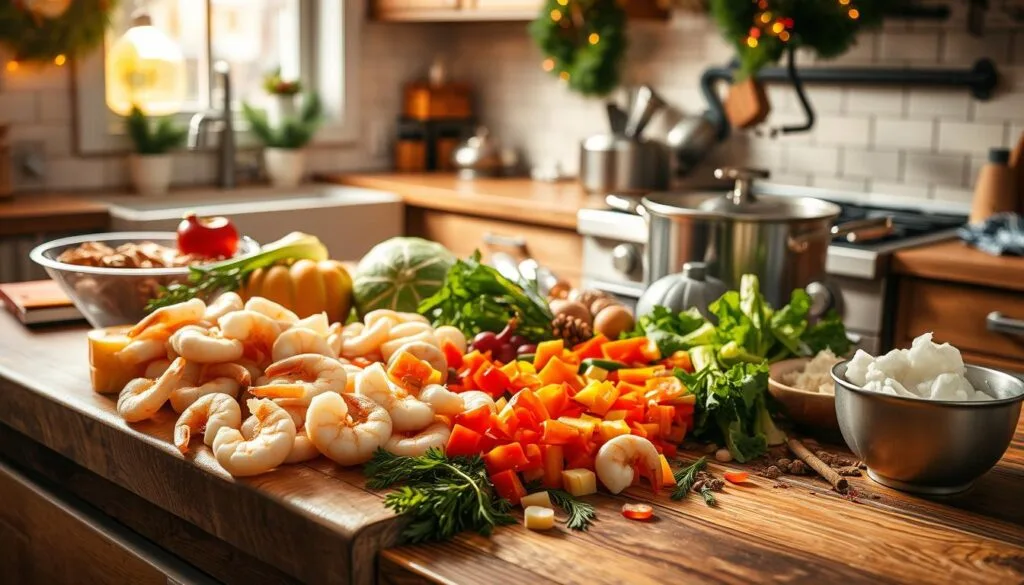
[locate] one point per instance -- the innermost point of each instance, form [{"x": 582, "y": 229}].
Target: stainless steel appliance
[
  {"x": 611, "y": 163},
  {"x": 857, "y": 272}
]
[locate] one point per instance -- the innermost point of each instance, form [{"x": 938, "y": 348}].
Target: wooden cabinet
[
  {"x": 486, "y": 10},
  {"x": 560, "y": 250},
  {"x": 46, "y": 539},
  {"x": 958, "y": 313}
]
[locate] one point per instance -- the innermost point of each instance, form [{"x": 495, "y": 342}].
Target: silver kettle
[{"x": 478, "y": 156}]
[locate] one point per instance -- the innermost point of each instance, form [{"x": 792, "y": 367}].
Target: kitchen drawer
[
  {"x": 957, "y": 313},
  {"x": 559, "y": 250}
]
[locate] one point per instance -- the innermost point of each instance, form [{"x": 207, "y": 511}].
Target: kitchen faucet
[{"x": 226, "y": 147}]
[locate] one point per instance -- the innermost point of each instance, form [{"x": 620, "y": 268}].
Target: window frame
[{"x": 94, "y": 123}]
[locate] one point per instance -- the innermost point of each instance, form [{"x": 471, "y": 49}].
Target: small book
[{"x": 38, "y": 301}]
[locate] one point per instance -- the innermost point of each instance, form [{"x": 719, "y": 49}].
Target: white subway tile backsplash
[
  {"x": 936, "y": 169},
  {"x": 54, "y": 106},
  {"x": 914, "y": 47},
  {"x": 847, "y": 185},
  {"x": 942, "y": 193},
  {"x": 76, "y": 173},
  {"x": 1003, "y": 106},
  {"x": 836, "y": 130},
  {"x": 56, "y": 138},
  {"x": 812, "y": 160},
  {"x": 826, "y": 99},
  {"x": 915, "y": 190},
  {"x": 874, "y": 100},
  {"x": 970, "y": 137},
  {"x": 963, "y": 48},
  {"x": 932, "y": 103},
  {"x": 911, "y": 134},
  {"x": 884, "y": 165},
  {"x": 18, "y": 107}
]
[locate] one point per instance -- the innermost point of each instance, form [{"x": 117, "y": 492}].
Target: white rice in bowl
[{"x": 816, "y": 376}]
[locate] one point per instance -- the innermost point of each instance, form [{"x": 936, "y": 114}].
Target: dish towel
[{"x": 1000, "y": 235}]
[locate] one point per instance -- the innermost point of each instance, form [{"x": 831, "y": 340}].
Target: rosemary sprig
[
  {"x": 686, "y": 477},
  {"x": 709, "y": 496},
  {"x": 202, "y": 284},
  {"x": 581, "y": 514},
  {"x": 441, "y": 495}
]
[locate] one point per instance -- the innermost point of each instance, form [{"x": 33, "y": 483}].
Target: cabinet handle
[
  {"x": 518, "y": 242},
  {"x": 995, "y": 321}
]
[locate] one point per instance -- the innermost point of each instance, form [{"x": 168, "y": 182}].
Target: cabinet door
[
  {"x": 506, "y": 4},
  {"x": 401, "y": 5}
]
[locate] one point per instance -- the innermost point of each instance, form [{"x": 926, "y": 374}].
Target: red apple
[{"x": 207, "y": 236}]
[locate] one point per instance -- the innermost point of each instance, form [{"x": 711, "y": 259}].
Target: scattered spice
[
  {"x": 797, "y": 468},
  {"x": 838, "y": 482},
  {"x": 851, "y": 471},
  {"x": 771, "y": 472},
  {"x": 780, "y": 485}
]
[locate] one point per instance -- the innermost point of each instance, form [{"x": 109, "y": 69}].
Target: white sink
[{"x": 349, "y": 220}]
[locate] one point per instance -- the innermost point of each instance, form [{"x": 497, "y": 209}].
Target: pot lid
[{"x": 740, "y": 202}]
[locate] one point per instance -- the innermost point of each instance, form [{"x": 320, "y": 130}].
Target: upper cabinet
[{"x": 483, "y": 10}]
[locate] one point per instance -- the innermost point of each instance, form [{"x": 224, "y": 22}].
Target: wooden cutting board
[{"x": 315, "y": 522}]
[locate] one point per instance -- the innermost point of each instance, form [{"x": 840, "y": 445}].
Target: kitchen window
[{"x": 313, "y": 40}]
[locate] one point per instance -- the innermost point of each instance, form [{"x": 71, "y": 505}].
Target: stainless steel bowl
[{"x": 927, "y": 446}]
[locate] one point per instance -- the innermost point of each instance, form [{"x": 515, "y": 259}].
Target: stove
[{"x": 858, "y": 272}]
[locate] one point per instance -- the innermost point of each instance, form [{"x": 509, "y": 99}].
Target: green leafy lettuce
[{"x": 476, "y": 297}]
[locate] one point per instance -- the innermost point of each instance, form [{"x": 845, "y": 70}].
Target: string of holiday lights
[{"x": 583, "y": 42}]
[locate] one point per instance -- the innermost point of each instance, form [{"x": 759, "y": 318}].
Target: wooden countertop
[
  {"x": 40, "y": 213},
  {"x": 955, "y": 261},
  {"x": 316, "y": 523},
  {"x": 514, "y": 199}
]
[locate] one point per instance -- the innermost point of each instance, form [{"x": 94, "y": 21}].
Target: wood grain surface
[
  {"x": 316, "y": 523},
  {"x": 34, "y": 213},
  {"x": 955, "y": 261}
]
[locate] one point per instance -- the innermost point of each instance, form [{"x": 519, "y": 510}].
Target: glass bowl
[{"x": 115, "y": 296}]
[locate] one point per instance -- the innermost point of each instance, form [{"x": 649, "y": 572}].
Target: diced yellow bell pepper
[
  {"x": 584, "y": 426},
  {"x": 615, "y": 414},
  {"x": 591, "y": 418},
  {"x": 597, "y": 396},
  {"x": 579, "y": 482},
  {"x": 596, "y": 373},
  {"x": 500, "y": 404},
  {"x": 545, "y": 351},
  {"x": 612, "y": 428}
]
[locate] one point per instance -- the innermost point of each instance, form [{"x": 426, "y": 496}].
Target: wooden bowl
[{"x": 811, "y": 410}]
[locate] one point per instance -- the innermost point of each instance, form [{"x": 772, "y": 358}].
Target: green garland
[
  {"x": 762, "y": 30},
  {"x": 583, "y": 41},
  {"x": 29, "y": 37}
]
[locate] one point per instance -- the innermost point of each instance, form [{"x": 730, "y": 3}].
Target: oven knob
[{"x": 625, "y": 258}]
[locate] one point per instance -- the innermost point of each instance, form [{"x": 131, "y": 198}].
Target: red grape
[
  {"x": 526, "y": 349},
  {"x": 517, "y": 341},
  {"x": 505, "y": 353},
  {"x": 506, "y": 334},
  {"x": 486, "y": 341}
]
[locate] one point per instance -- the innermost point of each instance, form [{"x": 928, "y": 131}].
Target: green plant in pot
[
  {"x": 283, "y": 153},
  {"x": 150, "y": 164}
]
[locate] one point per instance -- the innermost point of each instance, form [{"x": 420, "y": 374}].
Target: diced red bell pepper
[
  {"x": 527, "y": 436},
  {"x": 545, "y": 351},
  {"x": 558, "y": 433},
  {"x": 554, "y": 463},
  {"x": 579, "y": 455},
  {"x": 636, "y": 414},
  {"x": 556, "y": 371},
  {"x": 463, "y": 441},
  {"x": 473, "y": 360},
  {"x": 736, "y": 476},
  {"x": 478, "y": 419},
  {"x": 650, "y": 352},
  {"x": 667, "y": 448},
  {"x": 679, "y": 359},
  {"x": 508, "y": 486},
  {"x": 662, "y": 415},
  {"x": 573, "y": 410},
  {"x": 527, "y": 419},
  {"x": 452, "y": 355},
  {"x": 525, "y": 399},
  {"x": 554, "y": 398},
  {"x": 504, "y": 424},
  {"x": 627, "y": 351},
  {"x": 502, "y": 457},
  {"x": 491, "y": 380},
  {"x": 639, "y": 375},
  {"x": 534, "y": 458},
  {"x": 677, "y": 434},
  {"x": 591, "y": 348}
]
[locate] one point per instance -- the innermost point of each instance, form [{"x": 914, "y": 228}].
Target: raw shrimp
[
  {"x": 211, "y": 379},
  {"x": 166, "y": 320},
  {"x": 227, "y": 302},
  {"x": 202, "y": 346},
  {"x": 300, "y": 340},
  {"x": 618, "y": 457},
  {"x": 407, "y": 412},
  {"x": 448, "y": 333},
  {"x": 347, "y": 428},
  {"x": 296, "y": 380},
  {"x": 472, "y": 399},
  {"x": 156, "y": 368},
  {"x": 334, "y": 333},
  {"x": 436, "y": 435},
  {"x": 390, "y": 348},
  {"x": 443, "y": 400},
  {"x": 256, "y": 331},
  {"x": 141, "y": 351},
  {"x": 366, "y": 341},
  {"x": 209, "y": 414},
  {"x": 317, "y": 322},
  {"x": 142, "y": 398},
  {"x": 275, "y": 311},
  {"x": 302, "y": 449},
  {"x": 273, "y": 435},
  {"x": 426, "y": 352},
  {"x": 377, "y": 315}
]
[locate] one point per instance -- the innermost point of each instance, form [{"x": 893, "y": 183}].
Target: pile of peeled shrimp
[{"x": 265, "y": 387}]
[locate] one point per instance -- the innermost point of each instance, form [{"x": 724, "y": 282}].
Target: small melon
[{"x": 399, "y": 273}]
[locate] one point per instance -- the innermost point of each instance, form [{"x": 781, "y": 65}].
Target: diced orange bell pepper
[
  {"x": 598, "y": 396},
  {"x": 452, "y": 355},
  {"x": 650, "y": 352},
  {"x": 463, "y": 441},
  {"x": 557, "y": 371},
  {"x": 527, "y": 436},
  {"x": 591, "y": 348},
  {"x": 410, "y": 371},
  {"x": 573, "y": 410},
  {"x": 477, "y": 419},
  {"x": 585, "y": 428},
  {"x": 580, "y": 455},
  {"x": 639, "y": 375},
  {"x": 677, "y": 434},
  {"x": 679, "y": 359},
  {"x": 627, "y": 402},
  {"x": 508, "y": 486},
  {"x": 668, "y": 449},
  {"x": 636, "y": 414},
  {"x": 491, "y": 380},
  {"x": 504, "y": 424},
  {"x": 627, "y": 351},
  {"x": 558, "y": 433},
  {"x": 616, "y": 415},
  {"x": 554, "y": 398},
  {"x": 473, "y": 360},
  {"x": 667, "y": 479},
  {"x": 662, "y": 415},
  {"x": 528, "y": 401},
  {"x": 736, "y": 476},
  {"x": 502, "y": 457},
  {"x": 610, "y": 429},
  {"x": 511, "y": 370},
  {"x": 666, "y": 390},
  {"x": 554, "y": 463},
  {"x": 638, "y": 429},
  {"x": 650, "y": 430},
  {"x": 545, "y": 351},
  {"x": 534, "y": 458}
]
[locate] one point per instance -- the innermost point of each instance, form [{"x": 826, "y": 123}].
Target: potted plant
[
  {"x": 283, "y": 154},
  {"x": 283, "y": 94},
  {"x": 150, "y": 165}
]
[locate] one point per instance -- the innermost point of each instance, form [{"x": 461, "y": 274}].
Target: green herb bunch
[
  {"x": 27, "y": 37},
  {"x": 585, "y": 41},
  {"x": 294, "y": 131},
  {"x": 153, "y": 135},
  {"x": 476, "y": 297},
  {"x": 441, "y": 495}
]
